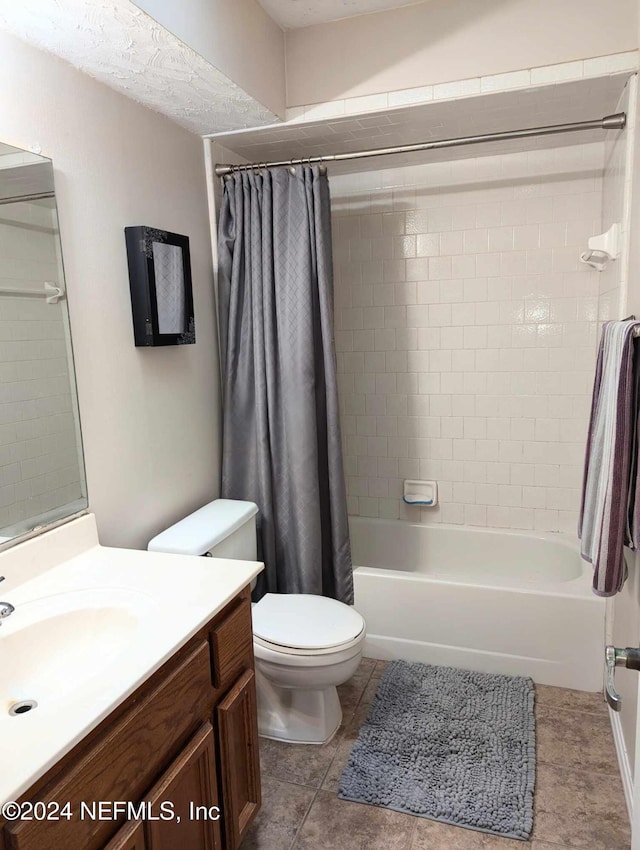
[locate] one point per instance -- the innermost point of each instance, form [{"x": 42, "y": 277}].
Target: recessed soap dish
[{"x": 420, "y": 493}]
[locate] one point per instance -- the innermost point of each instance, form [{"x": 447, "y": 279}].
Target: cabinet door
[
  {"x": 130, "y": 837},
  {"x": 239, "y": 758},
  {"x": 189, "y": 789},
  {"x": 123, "y": 762}
]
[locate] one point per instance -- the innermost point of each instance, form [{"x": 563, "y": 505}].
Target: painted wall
[
  {"x": 465, "y": 331},
  {"x": 150, "y": 418},
  {"x": 440, "y": 41},
  {"x": 238, "y": 38}
]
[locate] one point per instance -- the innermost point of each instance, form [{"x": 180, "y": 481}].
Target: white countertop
[{"x": 162, "y": 599}]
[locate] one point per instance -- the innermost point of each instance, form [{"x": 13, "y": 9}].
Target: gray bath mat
[{"x": 450, "y": 745}]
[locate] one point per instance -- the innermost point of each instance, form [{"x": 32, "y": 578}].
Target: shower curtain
[{"x": 281, "y": 433}]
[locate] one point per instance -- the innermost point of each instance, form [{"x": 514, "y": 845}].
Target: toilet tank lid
[{"x": 205, "y": 528}]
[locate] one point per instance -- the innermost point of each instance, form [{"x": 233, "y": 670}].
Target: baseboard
[{"x": 623, "y": 760}]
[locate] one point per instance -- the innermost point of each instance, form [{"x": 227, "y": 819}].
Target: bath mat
[{"x": 451, "y": 745}]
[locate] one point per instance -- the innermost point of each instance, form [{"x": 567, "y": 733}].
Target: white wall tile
[
  {"x": 466, "y": 336},
  {"x": 366, "y": 103},
  {"x": 38, "y": 459},
  {"x": 404, "y": 97},
  {"x": 461, "y": 88},
  {"x": 500, "y": 82},
  {"x": 611, "y": 64},
  {"x": 557, "y": 73}
]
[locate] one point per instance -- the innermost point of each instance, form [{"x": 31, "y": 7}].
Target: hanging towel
[{"x": 609, "y": 513}]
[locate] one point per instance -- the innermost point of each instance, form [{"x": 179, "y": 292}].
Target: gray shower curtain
[{"x": 281, "y": 433}]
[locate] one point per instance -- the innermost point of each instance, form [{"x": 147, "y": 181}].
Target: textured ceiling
[
  {"x": 123, "y": 47},
  {"x": 557, "y": 104},
  {"x": 292, "y": 14}
]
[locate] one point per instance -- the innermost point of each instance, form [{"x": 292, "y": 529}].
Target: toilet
[{"x": 304, "y": 645}]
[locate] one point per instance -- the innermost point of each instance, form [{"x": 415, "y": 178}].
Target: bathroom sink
[{"x": 51, "y": 646}]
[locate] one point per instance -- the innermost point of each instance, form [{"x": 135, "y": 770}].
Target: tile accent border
[{"x": 615, "y": 63}]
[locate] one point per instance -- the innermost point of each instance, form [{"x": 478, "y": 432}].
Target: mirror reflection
[{"x": 41, "y": 466}]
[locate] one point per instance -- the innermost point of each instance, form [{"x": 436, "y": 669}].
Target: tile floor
[{"x": 579, "y": 802}]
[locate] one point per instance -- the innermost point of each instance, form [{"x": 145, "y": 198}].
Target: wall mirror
[{"x": 42, "y": 476}]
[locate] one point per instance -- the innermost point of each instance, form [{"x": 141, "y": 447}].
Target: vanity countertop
[{"x": 91, "y": 624}]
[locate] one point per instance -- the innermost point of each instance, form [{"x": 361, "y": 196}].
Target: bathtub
[{"x": 480, "y": 599}]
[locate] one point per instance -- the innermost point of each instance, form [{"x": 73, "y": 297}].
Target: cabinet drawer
[
  {"x": 125, "y": 760},
  {"x": 232, "y": 645}
]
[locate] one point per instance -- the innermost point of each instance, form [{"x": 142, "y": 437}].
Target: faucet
[{"x": 6, "y": 609}]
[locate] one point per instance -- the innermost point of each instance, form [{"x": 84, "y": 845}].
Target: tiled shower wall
[
  {"x": 465, "y": 332},
  {"x": 39, "y": 468}
]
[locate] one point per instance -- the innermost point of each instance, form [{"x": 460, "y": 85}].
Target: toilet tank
[{"x": 224, "y": 528}]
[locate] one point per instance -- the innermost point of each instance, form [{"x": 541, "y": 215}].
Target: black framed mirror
[{"x": 161, "y": 290}]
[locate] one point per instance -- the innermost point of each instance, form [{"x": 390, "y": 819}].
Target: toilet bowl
[{"x": 304, "y": 645}]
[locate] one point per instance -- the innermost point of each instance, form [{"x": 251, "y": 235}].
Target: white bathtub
[{"x": 481, "y": 599}]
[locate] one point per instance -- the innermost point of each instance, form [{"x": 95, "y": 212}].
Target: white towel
[{"x": 608, "y": 515}]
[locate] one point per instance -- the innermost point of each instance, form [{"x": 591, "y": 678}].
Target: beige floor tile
[
  {"x": 579, "y": 794},
  {"x": 432, "y": 835},
  {"x": 303, "y": 764},
  {"x": 543, "y": 845},
  {"x": 379, "y": 669},
  {"x": 586, "y": 833},
  {"x": 579, "y": 800},
  {"x": 283, "y": 809},
  {"x": 334, "y": 824},
  {"x": 340, "y": 760},
  {"x": 580, "y": 809},
  {"x": 348, "y": 737},
  {"x": 564, "y": 699},
  {"x": 575, "y": 739},
  {"x": 351, "y": 692},
  {"x": 367, "y": 664}
]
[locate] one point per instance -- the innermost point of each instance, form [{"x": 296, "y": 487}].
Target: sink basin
[{"x": 51, "y": 646}]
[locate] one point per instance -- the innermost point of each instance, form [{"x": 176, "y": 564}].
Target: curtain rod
[
  {"x": 16, "y": 199},
  {"x": 609, "y": 122}
]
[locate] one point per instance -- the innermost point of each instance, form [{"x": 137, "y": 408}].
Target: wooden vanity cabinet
[
  {"x": 130, "y": 837},
  {"x": 182, "y": 750}
]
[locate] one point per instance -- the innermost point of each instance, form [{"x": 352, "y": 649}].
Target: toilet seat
[
  {"x": 305, "y": 624},
  {"x": 290, "y": 650}
]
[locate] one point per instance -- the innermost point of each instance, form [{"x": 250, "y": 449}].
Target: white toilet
[{"x": 304, "y": 645}]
